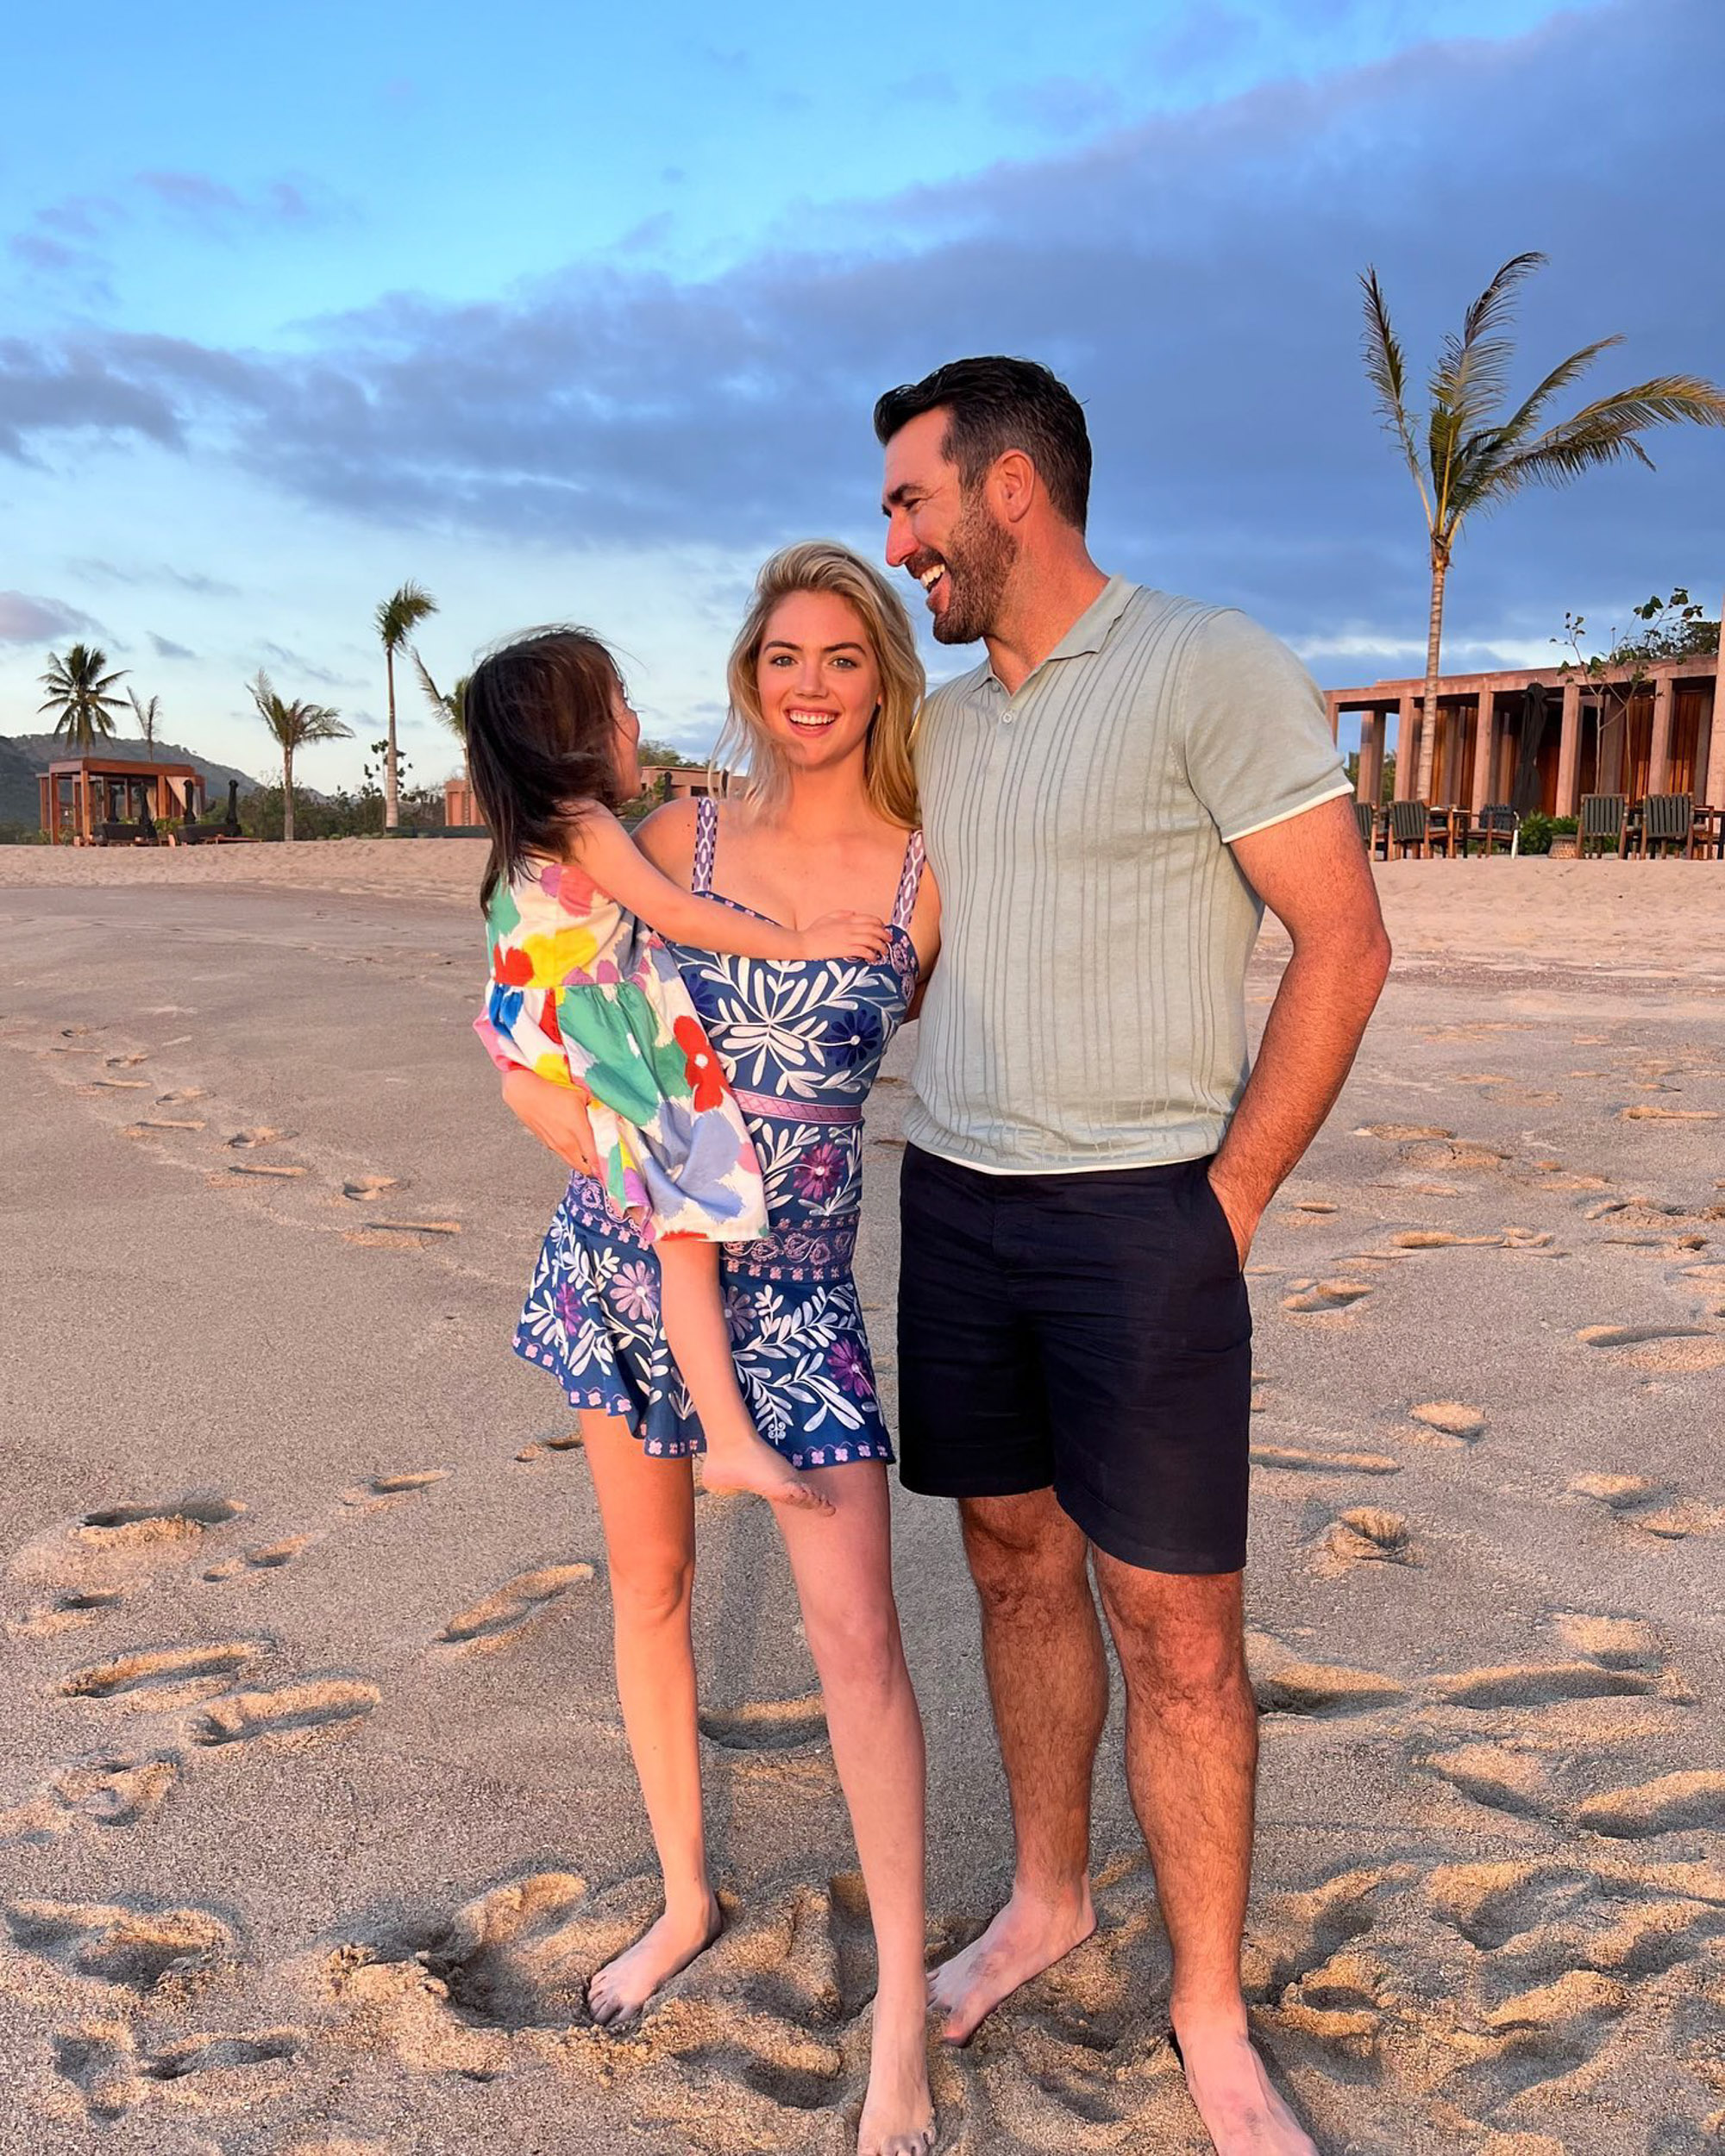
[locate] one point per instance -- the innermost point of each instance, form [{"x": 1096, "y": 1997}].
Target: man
[{"x": 1109, "y": 800}]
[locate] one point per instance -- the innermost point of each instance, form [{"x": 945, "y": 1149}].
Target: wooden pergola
[
  {"x": 80, "y": 795},
  {"x": 1661, "y": 731}
]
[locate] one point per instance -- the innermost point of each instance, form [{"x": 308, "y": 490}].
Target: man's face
[{"x": 944, "y": 536}]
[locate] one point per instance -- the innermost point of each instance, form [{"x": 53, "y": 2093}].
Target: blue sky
[{"x": 573, "y": 316}]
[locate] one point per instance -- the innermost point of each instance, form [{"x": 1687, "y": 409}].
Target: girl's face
[
  {"x": 817, "y": 679},
  {"x": 625, "y": 741}
]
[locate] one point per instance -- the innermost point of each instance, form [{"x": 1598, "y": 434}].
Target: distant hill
[{"x": 22, "y": 755}]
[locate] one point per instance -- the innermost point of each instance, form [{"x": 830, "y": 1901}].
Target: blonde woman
[{"x": 825, "y": 685}]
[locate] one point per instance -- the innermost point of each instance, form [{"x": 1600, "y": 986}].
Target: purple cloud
[{"x": 26, "y": 620}]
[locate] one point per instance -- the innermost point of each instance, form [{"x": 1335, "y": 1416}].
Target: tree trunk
[
  {"x": 1434, "y": 637},
  {"x": 287, "y": 797},
  {"x": 392, "y": 796}
]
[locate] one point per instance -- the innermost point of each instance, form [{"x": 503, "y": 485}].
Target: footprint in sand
[
  {"x": 1300, "y": 1461},
  {"x": 1618, "y": 1493},
  {"x": 1320, "y": 1297},
  {"x": 1620, "y": 1643},
  {"x": 316, "y": 1709},
  {"x": 114, "y": 1527},
  {"x": 1500, "y": 1776},
  {"x": 1537, "y": 1684},
  {"x": 520, "y": 1956},
  {"x": 1665, "y": 1351},
  {"x": 506, "y": 1612},
  {"x": 138, "y": 1950},
  {"x": 269, "y": 1557},
  {"x": 1450, "y": 1418},
  {"x": 1441, "y": 1239},
  {"x": 73, "y": 1606},
  {"x": 107, "y": 1790},
  {"x": 382, "y": 1489},
  {"x": 564, "y": 1441},
  {"x": 777, "y": 1725},
  {"x": 1666, "y": 1806},
  {"x": 243, "y": 1141},
  {"x": 165, "y": 1678},
  {"x": 1285, "y": 1684},
  {"x": 102, "y": 2063},
  {"x": 1365, "y": 1536},
  {"x": 360, "y": 1187}
]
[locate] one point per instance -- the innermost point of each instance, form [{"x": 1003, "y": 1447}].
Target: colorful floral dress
[
  {"x": 801, "y": 1043},
  {"x": 580, "y": 989}
]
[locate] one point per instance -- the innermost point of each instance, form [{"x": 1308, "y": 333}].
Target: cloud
[
  {"x": 302, "y": 669},
  {"x": 1061, "y": 105},
  {"x": 164, "y": 648},
  {"x": 199, "y": 199},
  {"x": 25, "y": 620},
  {"x": 96, "y": 571},
  {"x": 1192, "y": 276}
]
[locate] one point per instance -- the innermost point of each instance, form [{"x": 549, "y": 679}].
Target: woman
[{"x": 825, "y": 683}]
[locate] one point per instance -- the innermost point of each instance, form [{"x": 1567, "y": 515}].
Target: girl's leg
[
  {"x": 737, "y": 1456},
  {"x": 647, "y": 1507},
  {"x": 844, "y": 1572}
]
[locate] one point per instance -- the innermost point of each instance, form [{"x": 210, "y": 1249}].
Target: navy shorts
[{"x": 1087, "y": 1332}]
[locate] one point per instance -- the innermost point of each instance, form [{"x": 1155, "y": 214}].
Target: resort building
[
  {"x": 1540, "y": 738},
  {"x": 81, "y": 795}
]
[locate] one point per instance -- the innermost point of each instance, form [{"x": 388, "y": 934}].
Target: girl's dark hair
[{"x": 541, "y": 735}]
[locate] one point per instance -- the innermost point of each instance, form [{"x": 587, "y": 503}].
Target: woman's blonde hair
[{"x": 822, "y": 565}]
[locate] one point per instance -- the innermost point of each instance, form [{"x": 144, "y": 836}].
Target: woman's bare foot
[
  {"x": 618, "y": 1992},
  {"x": 898, "y": 2112},
  {"x": 1024, "y": 1940},
  {"x": 749, "y": 1464},
  {"x": 1235, "y": 2097}
]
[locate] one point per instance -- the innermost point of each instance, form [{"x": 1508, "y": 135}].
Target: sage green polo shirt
[{"x": 1089, "y": 1007}]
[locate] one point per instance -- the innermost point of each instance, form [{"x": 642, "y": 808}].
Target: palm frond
[
  {"x": 294, "y": 724},
  {"x": 1520, "y": 422},
  {"x": 400, "y": 614},
  {"x": 1606, "y": 432},
  {"x": 1386, "y": 369}
]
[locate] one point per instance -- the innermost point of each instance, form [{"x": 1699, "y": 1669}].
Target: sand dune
[{"x": 315, "y": 1812}]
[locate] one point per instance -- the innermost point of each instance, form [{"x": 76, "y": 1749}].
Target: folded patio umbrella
[{"x": 1524, "y": 793}]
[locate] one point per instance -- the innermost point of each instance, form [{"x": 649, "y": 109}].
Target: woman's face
[
  {"x": 818, "y": 681},
  {"x": 625, "y": 742}
]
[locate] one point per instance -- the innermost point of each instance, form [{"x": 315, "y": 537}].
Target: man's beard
[{"x": 979, "y": 560}]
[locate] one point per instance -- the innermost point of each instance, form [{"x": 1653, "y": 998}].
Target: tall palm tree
[
  {"x": 81, "y": 690},
  {"x": 147, "y": 715},
  {"x": 1476, "y": 456},
  {"x": 451, "y": 709},
  {"x": 397, "y": 618},
  {"x": 295, "y": 726}
]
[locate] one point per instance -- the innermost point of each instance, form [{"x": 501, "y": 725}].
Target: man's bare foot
[
  {"x": 618, "y": 1992},
  {"x": 751, "y": 1466},
  {"x": 1024, "y": 1940},
  {"x": 1236, "y": 2099},
  {"x": 898, "y": 2112}
]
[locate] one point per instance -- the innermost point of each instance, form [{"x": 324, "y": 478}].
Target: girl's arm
[{"x": 599, "y": 845}]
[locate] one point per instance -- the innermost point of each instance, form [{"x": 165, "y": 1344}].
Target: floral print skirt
[{"x": 592, "y": 1319}]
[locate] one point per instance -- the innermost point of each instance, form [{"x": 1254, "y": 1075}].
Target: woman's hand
[
  {"x": 556, "y": 1115},
  {"x": 844, "y": 936}
]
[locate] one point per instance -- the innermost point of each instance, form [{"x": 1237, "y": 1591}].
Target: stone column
[
  {"x": 1569, "y": 749},
  {"x": 1373, "y": 728},
  {"x": 1658, "y": 765},
  {"x": 1484, "y": 747}
]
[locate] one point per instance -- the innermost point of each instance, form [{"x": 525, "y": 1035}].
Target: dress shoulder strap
[
  {"x": 909, "y": 881},
  {"x": 706, "y": 845}
]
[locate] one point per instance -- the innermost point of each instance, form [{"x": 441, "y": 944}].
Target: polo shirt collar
[{"x": 1086, "y": 635}]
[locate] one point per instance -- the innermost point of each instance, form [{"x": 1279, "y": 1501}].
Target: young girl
[{"x": 583, "y": 993}]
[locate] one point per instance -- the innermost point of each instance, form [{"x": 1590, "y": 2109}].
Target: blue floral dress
[{"x": 800, "y": 1043}]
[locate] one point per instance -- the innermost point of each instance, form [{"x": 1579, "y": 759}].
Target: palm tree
[
  {"x": 80, "y": 690},
  {"x": 451, "y": 709},
  {"x": 1475, "y": 457},
  {"x": 397, "y": 618},
  {"x": 294, "y": 726},
  {"x": 147, "y": 715}
]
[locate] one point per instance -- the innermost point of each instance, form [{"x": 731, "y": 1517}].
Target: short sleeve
[{"x": 1256, "y": 738}]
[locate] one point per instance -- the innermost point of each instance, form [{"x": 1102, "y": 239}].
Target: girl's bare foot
[
  {"x": 618, "y": 1992},
  {"x": 747, "y": 1463},
  {"x": 898, "y": 2111}
]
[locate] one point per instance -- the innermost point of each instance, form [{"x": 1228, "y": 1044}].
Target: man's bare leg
[
  {"x": 1192, "y": 1766},
  {"x": 1048, "y": 1682}
]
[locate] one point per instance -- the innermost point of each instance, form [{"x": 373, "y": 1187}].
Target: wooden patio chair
[
  {"x": 1494, "y": 826},
  {"x": 1410, "y": 825},
  {"x": 1667, "y": 820},
  {"x": 1603, "y": 817},
  {"x": 1366, "y": 817}
]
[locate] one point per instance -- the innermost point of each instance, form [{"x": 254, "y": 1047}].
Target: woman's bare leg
[
  {"x": 737, "y": 1456},
  {"x": 843, "y": 1570},
  {"x": 647, "y": 1507}
]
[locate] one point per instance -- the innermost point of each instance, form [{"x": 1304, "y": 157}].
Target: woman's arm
[{"x": 600, "y": 847}]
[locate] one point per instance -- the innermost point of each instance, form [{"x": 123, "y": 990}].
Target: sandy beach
[{"x": 315, "y": 1808}]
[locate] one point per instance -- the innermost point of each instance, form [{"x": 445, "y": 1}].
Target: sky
[{"x": 571, "y": 314}]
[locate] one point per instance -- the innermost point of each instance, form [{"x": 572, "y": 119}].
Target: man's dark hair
[{"x": 995, "y": 405}]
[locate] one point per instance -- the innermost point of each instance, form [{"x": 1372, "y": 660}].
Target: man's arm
[{"x": 1311, "y": 871}]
